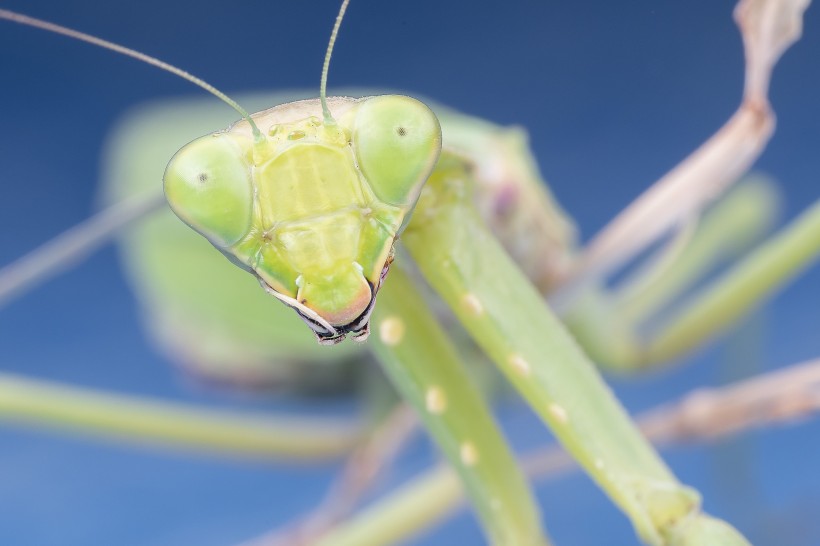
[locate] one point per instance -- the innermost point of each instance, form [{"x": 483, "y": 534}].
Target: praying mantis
[{"x": 336, "y": 68}]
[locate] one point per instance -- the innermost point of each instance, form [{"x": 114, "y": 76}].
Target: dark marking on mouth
[{"x": 358, "y": 328}]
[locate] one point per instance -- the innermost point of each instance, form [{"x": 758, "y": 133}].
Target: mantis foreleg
[
  {"x": 507, "y": 317},
  {"x": 425, "y": 367}
]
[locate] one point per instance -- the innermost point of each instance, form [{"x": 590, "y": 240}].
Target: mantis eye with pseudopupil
[{"x": 208, "y": 184}]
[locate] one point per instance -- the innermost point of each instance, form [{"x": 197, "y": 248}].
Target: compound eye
[
  {"x": 209, "y": 185},
  {"x": 397, "y": 141}
]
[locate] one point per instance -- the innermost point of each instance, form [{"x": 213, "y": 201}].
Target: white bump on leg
[
  {"x": 520, "y": 365},
  {"x": 558, "y": 412},
  {"x": 472, "y": 304},
  {"x": 391, "y": 330},
  {"x": 436, "y": 400},
  {"x": 469, "y": 454}
]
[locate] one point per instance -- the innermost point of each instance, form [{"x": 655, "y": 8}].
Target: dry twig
[{"x": 768, "y": 28}]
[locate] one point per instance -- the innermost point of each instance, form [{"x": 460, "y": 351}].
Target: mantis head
[{"x": 311, "y": 208}]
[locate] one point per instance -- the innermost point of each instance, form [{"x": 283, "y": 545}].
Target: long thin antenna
[
  {"x": 105, "y": 44},
  {"x": 323, "y": 86}
]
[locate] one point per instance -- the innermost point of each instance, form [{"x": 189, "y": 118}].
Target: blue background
[{"x": 613, "y": 94}]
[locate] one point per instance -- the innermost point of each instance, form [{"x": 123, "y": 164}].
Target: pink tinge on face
[
  {"x": 352, "y": 311},
  {"x": 337, "y": 305},
  {"x": 506, "y": 199}
]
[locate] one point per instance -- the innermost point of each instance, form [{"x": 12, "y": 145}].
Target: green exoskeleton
[
  {"x": 310, "y": 197},
  {"x": 312, "y": 208}
]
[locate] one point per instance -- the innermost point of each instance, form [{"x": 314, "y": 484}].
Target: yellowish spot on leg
[
  {"x": 391, "y": 330},
  {"x": 472, "y": 304},
  {"x": 436, "y": 400},
  {"x": 558, "y": 412},
  {"x": 469, "y": 454},
  {"x": 520, "y": 365}
]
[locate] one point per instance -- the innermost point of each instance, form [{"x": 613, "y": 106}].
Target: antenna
[
  {"x": 128, "y": 52},
  {"x": 323, "y": 86}
]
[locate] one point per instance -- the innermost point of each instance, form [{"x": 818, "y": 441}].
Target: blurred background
[{"x": 613, "y": 95}]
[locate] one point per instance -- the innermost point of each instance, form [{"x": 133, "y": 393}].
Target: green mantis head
[{"x": 311, "y": 208}]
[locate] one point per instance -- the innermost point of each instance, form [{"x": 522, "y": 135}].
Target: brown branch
[
  {"x": 777, "y": 397},
  {"x": 768, "y": 28}
]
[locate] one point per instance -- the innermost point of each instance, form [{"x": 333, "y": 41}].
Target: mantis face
[{"x": 312, "y": 209}]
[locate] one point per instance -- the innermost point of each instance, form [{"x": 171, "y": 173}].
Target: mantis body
[{"x": 459, "y": 173}]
